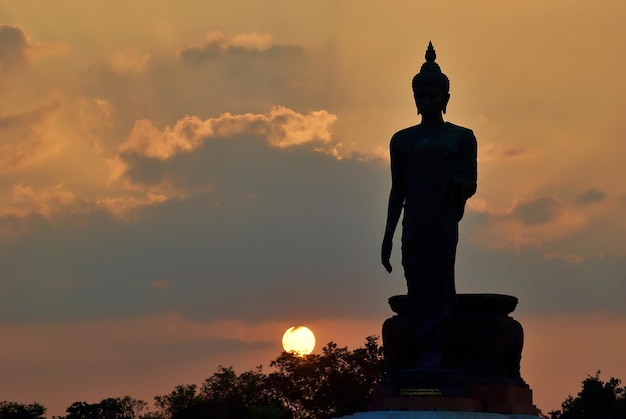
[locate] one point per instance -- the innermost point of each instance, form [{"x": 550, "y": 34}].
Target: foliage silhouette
[
  {"x": 223, "y": 395},
  {"x": 336, "y": 382},
  {"x": 13, "y": 410},
  {"x": 110, "y": 408},
  {"x": 597, "y": 400}
]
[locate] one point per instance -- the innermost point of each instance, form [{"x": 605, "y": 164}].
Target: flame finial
[
  {"x": 430, "y": 73},
  {"x": 430, "y": 52}
]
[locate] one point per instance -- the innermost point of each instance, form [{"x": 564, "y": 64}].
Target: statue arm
[
  {"x": 465, "y": 173},
  {"x": 396, "y": 200}
]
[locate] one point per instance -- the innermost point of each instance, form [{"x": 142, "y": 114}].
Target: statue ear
[
  {"x": 415, "y": 99},
  {"x": 445, "y": 102}
]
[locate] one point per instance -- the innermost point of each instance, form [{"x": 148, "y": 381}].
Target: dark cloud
[
  {"x": 13, "y": 47},
  {"x": 545, "y": 284},
  {"x": 196, "y": 55},
  {"x": 239, "y": 81},
  {"x": 505, "y": 152},
  {"x": 537, "y": 211},
  {"x": 514, "y": 152},
  {"x": 283, "y": 231},
  {"x": 21, "y": 135},
  {"x": 211, "y": 51},
  {"x": 590, "y": 196},
  {"x": 34, "y": 115},
  {"x": 280, "y": 74}
]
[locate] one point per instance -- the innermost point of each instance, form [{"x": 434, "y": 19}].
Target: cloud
[
  {"x": 545, "y": 282},
  {"x": 270, "y": 212},
  {"x": 96, "y": 117},
  {"x": 289, "y": 128},
  {"x": 217, "y": 44},
  {"x": 147, "y": 140},
  {"x": 123, "y": 207},
  {"x": 538, "y": 221},
  {"x": 17, "y": 49},
  {"x": 239, "y": 209},
  {"x": 590, "y": 196},
  {"x": 250, "y": 75},
  {"x": 253, "y": 41},
  {"x": 282, "y": 128},
  {"x": 14, "y": 45},
  {"x": 537, "y": 211},
  {"x": 130, "y": 61},
  {"x": 41, "y": 201},
  {"x": 492, "y": 152},
  {"x": 276, "y": 222},
  {"x": 24, "y": 138},
  {"x": 27, "y": 207}
]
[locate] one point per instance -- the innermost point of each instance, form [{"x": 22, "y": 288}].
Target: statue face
[{"x": 430, "y": 101}]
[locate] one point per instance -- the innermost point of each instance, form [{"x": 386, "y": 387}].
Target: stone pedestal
[{"x": 480, "y": 371}]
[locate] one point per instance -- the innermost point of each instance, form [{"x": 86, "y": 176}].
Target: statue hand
[{"x": 385, "y": 253}]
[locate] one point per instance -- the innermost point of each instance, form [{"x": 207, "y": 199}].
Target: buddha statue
[{"x": 433, "y": 173}]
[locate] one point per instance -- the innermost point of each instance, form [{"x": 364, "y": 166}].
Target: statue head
[{"x": 429, "y": 81}]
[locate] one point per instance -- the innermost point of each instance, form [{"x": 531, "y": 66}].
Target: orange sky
[{"x": 181, "y": 183}]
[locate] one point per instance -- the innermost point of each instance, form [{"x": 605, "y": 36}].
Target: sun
[{"x": 299, "y": 340}]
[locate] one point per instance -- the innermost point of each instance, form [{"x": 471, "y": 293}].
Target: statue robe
[{"x": 436, "y": 174}]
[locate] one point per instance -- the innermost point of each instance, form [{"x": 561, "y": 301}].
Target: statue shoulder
[
  {"x": 405, "y": 134},
  {"x": 459, "y": 130}
]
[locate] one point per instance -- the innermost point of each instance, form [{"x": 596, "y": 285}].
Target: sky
[{"x": 182, "y": 182}]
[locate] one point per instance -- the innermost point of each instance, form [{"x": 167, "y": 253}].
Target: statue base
[
  {"x": 474, "y": 397},
  {"x": 480, "y": 373},
  {"x": 416, "y": 390}
]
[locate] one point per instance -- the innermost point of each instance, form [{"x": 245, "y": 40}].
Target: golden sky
[{"x": 180, "y": 183}]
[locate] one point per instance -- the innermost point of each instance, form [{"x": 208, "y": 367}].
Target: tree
[
  {"x": 14, "y": 410},
  {"x": 223, "y": 395},
  {"x": 247, "y": 395},
  {"x": 597, "y": 400},
  {"x": 110, "y": 408},
  {"x": 183, "y": 402},
  {"x": 336, "y": 383}
]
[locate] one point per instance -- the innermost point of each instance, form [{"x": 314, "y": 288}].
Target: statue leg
[{"x": 429, "y": 270}]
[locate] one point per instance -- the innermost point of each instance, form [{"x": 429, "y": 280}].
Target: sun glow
[{"x": 299, "y": 339}]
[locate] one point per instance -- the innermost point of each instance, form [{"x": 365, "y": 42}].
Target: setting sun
[{"x": 299, "y": 340}]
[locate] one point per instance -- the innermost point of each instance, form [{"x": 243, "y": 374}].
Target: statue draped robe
[{"x": 434, "y": 174}]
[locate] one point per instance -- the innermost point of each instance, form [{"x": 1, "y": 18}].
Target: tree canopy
[
  {"x": 13, "y": 410},
  {"x": 597, "y": 399},
  {"x": 334, "y": 383}
]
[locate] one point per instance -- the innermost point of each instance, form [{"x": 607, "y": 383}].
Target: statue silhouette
[{"x": 433, "y": 172}]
